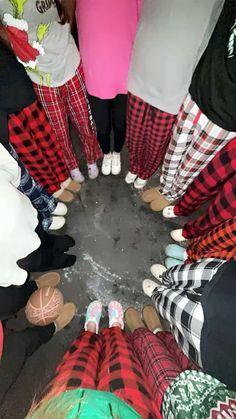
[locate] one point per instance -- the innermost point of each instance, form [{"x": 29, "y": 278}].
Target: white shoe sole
[
  {"x": 168, "y": 212},
  {"x": 61, "y": 209},
  {"x": 177, "y": 235},
  {"x": 93, "y": 176},
  {"x": 57, "y": 223},
  {"x": 149, "y": 286},
  {"x": 139, "y": 186},
  {"x": 157, "y": 271},
  {"x": 106, "y": 173},
  {"x": 115, "y": 172},
  {"x": 130, "y": 180}
]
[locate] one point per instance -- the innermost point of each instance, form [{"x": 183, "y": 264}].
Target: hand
[{"x": 67, "y": 15}]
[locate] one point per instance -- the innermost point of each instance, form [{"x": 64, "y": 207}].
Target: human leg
[
  {"x": 79, "y": 365},
  {"x": 53, "y": 102},
  {"x": 29, "y": 150},
  {"x": 118, "y": 114},
  {"x": 161, "y": 359},
  {"x": 158, "y": 133},
  {"x": 44, "y": 260},
  {"x": 195, "y": 141},
  {"x": 220, "y": 209},
  {"x": 209, "y": 181},
  {"x": 219, "y": 243},
  {"x": 79, "y": 112},
  {"x": 54, "y": 242},
  {"x": 51, "y": 253},
  {"x": 185, "y": 317},
  {"x": 191, "y": 277},
  {"x": 101, "y": 111},
  {"x": 135, "y": 132},
  {"x": 178, "y": 301},
  {"x": 40, "y": 198},
  {"x": 26, "y": 342},
  {"x": 217, "y": 180},
  {"x": 13, "y": 298},
  {"x": 121, "y": 373},
  {"x": 119, "y": 108},
  {"x": 45, "y": 137}
]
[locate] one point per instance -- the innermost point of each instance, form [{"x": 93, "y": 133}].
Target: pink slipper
[
  {"x": 93, "y": 314},
  {"x": 115, "y": 313}
]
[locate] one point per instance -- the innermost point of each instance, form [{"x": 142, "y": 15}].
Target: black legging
[
  {"x": 13, "y": 298},
  {"x": 51, "y": 253},
  {"x": 110, "y": 114},
  {"x": 18, "y": 346}
]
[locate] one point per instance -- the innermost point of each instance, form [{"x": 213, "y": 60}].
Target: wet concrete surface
[{"x": 117, "y": 240}]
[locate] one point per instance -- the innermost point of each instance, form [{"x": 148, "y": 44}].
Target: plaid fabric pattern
[
  {"x": 177, "y": 301},
  {"x": 148, "y": 134},
  {"x": 105, "y": 363},
  {"x": 161, "y": 358},
  {"x": 121, "y": 373},
  {"x": 44, "y": 203},
  {"x": 70, "y": 101},
  {"x": 217, "y": 180},
  {"x": 36, "y": 145},
  {"x": 194, "y": 142},
  {"x": 220, "y": 242}
]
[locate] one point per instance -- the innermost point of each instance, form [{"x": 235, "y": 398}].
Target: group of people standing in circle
[{"x": 159, "y": 75}]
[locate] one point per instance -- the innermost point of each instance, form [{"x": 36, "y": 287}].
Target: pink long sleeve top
[{"x": 107, "y": 30}]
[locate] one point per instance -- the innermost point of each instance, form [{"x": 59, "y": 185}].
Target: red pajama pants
[
  {"x": 37, "y": 146},
  {"x": 148, "y": 134},
  {"x": 70, "y": 102},
  {"x": 105, "y": 363},
  {"x": 161, "y": 358},
  {"x": 219, "y": 243},
  {"x": 217, "y": 181}
]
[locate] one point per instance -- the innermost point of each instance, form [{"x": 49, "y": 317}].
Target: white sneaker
[
  {"x": 130, "y": 178},
  {"x": 140, "y": 183},
  {"x": 57, "y": 223},
  {"x": 77, "y": 175},
  {"x": 93, "y": 171},
  {"x": 106, "y": 164},
  {"x": 157, "y": 271},
  {"x": 115, "y": 163},
  {"x": 61, "y": 209},
  {"x": 168, "y": 212},
  {"x": 149, "y": 287},
  {"x": 177, "y": 235}
]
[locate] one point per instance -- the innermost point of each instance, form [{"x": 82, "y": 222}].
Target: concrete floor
[{"x": 117, "y": 240}]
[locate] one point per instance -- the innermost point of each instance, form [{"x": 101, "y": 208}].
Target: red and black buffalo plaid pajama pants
[
  {"x": 36, "y": 144},
  {"x": 218, "y": 181},
  {"x": 148, "y": 134},
  {"x": 194, "y": 142},
  {"x": 219, "y": 243},
  {"x": 161, "y": 358},
  {"x": 69, "y": 101},
  {"x": 105, "y": 362}
]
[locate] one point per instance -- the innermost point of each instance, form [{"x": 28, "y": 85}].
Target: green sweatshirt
[{"x": 87, "y": 404}]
